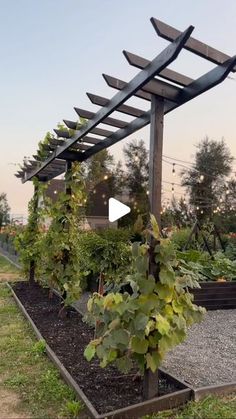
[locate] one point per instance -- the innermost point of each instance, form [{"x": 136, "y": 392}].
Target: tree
[
  {"x": 205, "y": 181},
  {"x": 4, "y": 210},
  {"x": 136, "y": 178}
]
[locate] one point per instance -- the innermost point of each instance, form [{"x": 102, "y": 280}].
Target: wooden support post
[
  {"x": 150, "y": 385},
  {"x": 32, "y": 262},
  {"x": 63, "y": 312},
  {"x": 155, "y": 156}
]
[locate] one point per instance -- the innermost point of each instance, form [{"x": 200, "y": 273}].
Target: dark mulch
[{"x": 107, "y": 389}]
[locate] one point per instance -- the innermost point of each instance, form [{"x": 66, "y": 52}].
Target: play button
[{"x": 116, "y": 210}]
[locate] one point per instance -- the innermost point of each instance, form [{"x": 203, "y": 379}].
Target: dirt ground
[
  {"x": 4, "y": 276},
  {"x": 9, "y": 405}
]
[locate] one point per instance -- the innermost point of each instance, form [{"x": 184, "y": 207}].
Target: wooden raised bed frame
[
  {"x": 168, "y": 401},
  {"x": 216, "y": 295}
]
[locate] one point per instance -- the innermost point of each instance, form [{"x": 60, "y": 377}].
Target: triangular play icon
[{"x": 116, "y": 209}]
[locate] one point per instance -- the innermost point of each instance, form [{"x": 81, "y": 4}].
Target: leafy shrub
[
  {"x": 107, "y": 252},
  {"x": 180, "y": 237},
  {"x": 140, "y": 327}
]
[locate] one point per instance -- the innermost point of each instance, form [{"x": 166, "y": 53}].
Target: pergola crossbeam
[
  {"x": 197, "y": 47},
  {"x": 171, "y": 75},
  {"x": 109, "y": 121},
  {"x": 79, "y": 143},
  {"x": 126, "y": 109}
]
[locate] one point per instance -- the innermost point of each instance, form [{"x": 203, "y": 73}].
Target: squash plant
[
  {"x": 138, "y": 328},
  {"x": 60, "y": 267}
]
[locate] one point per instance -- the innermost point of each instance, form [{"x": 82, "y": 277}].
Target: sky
[{"x": 54, "y": 51}]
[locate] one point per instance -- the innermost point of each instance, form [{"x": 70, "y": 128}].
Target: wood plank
[
  {"x": 197, "y": 47},
  {"x": 120, "y": 85},
  {"x": 109, "y": 121},
  {"x": 126, "y": 109},
  {"x": 157, "y": 87},
  {"x": 171, "y": 75},
  {"x": 155, "y": 156}
]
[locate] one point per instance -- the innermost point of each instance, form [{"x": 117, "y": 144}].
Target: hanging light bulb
[
  {"x": 173, "y": 169},
  {"x": 147, "y": 192},
  {"x": 201, "y": 211},
  {"x": 201, "y": 178},
  {"x": 227, "y": 191},
  {"x": 136, "y": 157},
  {"x": 221, "y": 200},
  {"x": 172, "y": 189},
  {"x": 184, "y": 201},
  {"x": 197, "y": 208},
  {"x": 105, "y": 177}
]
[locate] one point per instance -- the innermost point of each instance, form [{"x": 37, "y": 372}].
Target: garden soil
[{"x": 107, "y": 389}]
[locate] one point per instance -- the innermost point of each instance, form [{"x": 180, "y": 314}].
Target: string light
[
  {"x": 105, "y": 177},
  {"x": 136, "y": 157},
  {"x": 172, "y": 189}
]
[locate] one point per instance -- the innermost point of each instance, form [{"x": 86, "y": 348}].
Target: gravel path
[{"x": 208, "y": 356}]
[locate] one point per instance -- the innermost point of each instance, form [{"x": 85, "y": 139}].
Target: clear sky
[{"x": 54, "y": 51}]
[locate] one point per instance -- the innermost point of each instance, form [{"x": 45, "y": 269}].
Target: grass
[
  {"x": 7, "y": 267},
  {"x": 25, "y": 369},
  {"x": 211, "y": 407}
]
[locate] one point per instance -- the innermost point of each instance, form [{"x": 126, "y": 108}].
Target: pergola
[{"x": 162, "y": 87}]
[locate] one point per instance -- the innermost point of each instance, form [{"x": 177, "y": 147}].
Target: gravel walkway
[{"x": 208, "y": 356}]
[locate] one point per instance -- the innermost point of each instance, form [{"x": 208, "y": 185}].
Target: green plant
[
  {"x": 60, "y": 259},
  {"x": 180, "y": 237},
  {"x": 39, "y": 347},
  {"x": 142, "y": 326},
  {"x": 72, "y": 408},
  {"x": 107, "y": 252},
  {"x": 28, "y": 239}
]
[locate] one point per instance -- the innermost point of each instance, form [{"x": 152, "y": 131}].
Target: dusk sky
[{"x": 54, "y": 51}]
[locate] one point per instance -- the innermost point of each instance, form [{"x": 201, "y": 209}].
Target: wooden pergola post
[
  {"x": 32, "y": 262},
  {"x": 150, "y": 387},
  {"x": 155, "y": 156}
]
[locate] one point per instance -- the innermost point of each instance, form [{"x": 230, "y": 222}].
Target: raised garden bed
[
  {"x": 216, "y": 295},
  {"x": 105, "y": 392}
]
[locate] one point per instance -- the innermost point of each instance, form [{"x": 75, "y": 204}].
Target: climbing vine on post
[
  {"x": 138, "y": 328},
  {"x": 60, "y": 266},
  {"x": 27, "y": 242}
]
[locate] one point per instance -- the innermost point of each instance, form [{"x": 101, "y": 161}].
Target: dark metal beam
[
  {"x": 168, "y": 55},
  {"x": 157, "y": 87},
  {"x": 204, "y": 83},
  {"x": 210, "y": 79},
  {"x": 171, "y": 75},
  {"x": 96, "y": 131},
  {"x": 62, "y": 133},
  {"x": 102, "y": 101},
  {"x": 91, "y": 140},
  {"x": 197, "y": 47},
  {"x": 109, "y": 121}
]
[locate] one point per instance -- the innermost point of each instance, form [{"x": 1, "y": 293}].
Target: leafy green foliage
[
  {"x": 28, "y": 240},
  {"x": 204, "y": 268},
  {"x": 106, "y": 251},
  {"x": 140, "y": 327},
  {"x": 59, "y": 251},
  {"x": 4, "y": 210}
]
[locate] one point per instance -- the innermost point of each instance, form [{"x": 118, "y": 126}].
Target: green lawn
[
  {"x": 25, "y": 369},
  {"x": 209, "y": 408},
  {"x": 7, "y": 267}
]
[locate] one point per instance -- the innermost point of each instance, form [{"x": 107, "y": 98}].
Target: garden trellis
[{"x": 154, "y": 83}]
